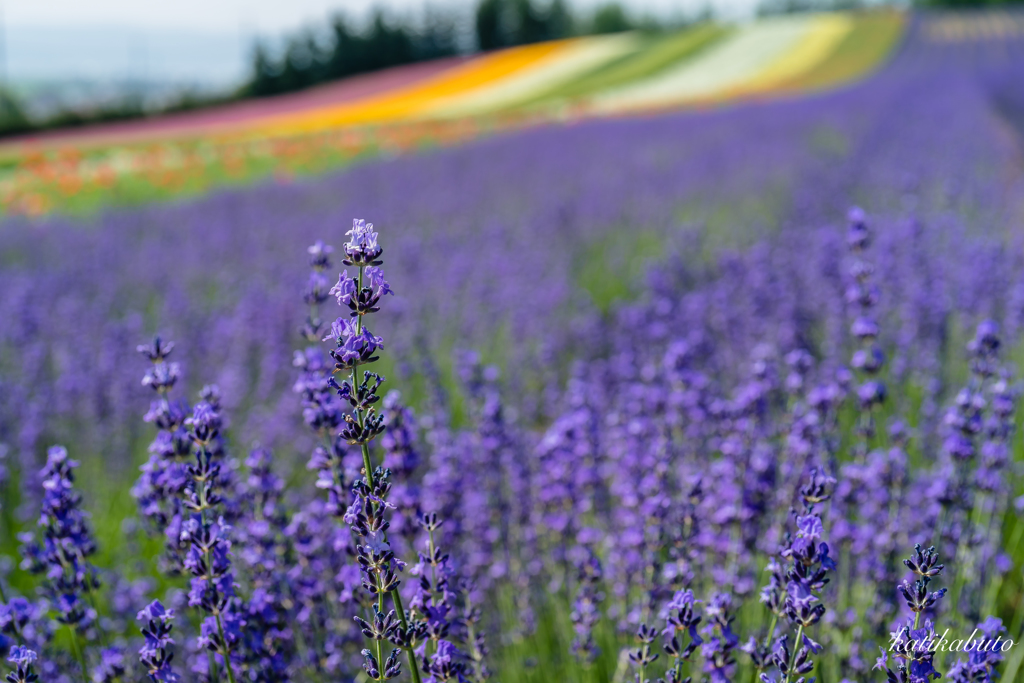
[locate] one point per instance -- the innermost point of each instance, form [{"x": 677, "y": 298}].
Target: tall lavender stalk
[
  {"x": 63, "y": 551},
  {"x": 436, "y": 622},
  {"x": 355, "y": 346},
  {"x": 869, "y": 357},
  {"x": 794, "y": 590},
  {"x": 914, "y": 642},
  {"x": 159, "y": 488},
  {"x": 213, "y": 581},
  {"x": 185, "y": 498}
]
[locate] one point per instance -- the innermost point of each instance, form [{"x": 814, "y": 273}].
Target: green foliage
[
  {"x": 490, "y": 24},
  {"x": 503, "y": 23},
  {"x": 308, "y": 60},
  {"x": 12, "y": 118},
  {"x": 609, "y": 270},
  {"x": 611, "y": 18}
]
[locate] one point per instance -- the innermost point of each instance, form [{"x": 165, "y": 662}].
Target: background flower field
[
  {"x": 639, "y": 345},
  {"x": 438, "y": 103}
]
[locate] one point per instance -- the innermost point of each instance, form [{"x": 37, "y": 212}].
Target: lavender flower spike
[
  {"x": 681, "y": 623},
  {"x": 155, "y": 654},
  {"x": 355, "y": 345},
  {"x": 63, "y": 552},
  {"x": 208, "y": 559},
  {"x": 111, "y": 667},
  {"x": 915, "y": 664},
  {"x": 21, "y": 657}
]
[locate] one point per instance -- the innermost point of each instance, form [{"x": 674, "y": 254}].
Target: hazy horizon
[{"x": 197, "y": 42}]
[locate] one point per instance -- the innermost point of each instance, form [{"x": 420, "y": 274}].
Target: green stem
[
  {"x": 227, "y": 650},
  {"x": 76, "y": 647},
  {"x": 1012, "y": 548},
  {"x": 960, "y": 560},
  {"x": 474, "y": 653},
  {"x": 90, "y": 596},
  {"x": 771, "y": 628},
  {"x": 1010, "y": 674},
  {"x": 214, "y": 669},
  {"x": 939, "y": 528},
  {"x": 204, "y": 506},
  {"x": 796, "y": 651},
  {"x": 380, "y": 660},
  {"x": 413, "y": 666}
]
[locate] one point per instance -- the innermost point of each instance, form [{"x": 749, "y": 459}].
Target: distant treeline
[
  {"x": 15, "y": 121},
  {"x": 310, "y": 57},
  {"x": 343, "y": 47}
]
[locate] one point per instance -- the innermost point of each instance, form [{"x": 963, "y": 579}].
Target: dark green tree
[
  {"x": 304, "y": 62},
  {"x": 611, "y": 18},
  {"x": 531, "y": 24},
  {"x": 560, "y": 20},
  {"x": 264, "y": 79},
  {"x": 492, "y": 24},
  {"x": 438, "y": 37},
  {"x": 12, "y": 117}
]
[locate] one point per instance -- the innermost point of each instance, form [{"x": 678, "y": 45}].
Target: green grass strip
[
  {"x": 867, "y": 46},
  {"x": 655, "y": 56}
]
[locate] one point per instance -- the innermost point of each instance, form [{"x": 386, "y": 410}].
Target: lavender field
[{"x": 719, "y": 395}]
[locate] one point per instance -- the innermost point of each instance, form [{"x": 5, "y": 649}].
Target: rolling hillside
[{"x": 442, "y": 102}]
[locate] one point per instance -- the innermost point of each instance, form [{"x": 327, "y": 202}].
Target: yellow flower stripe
[
  {"x": 827, "y": 31},
  {"x": 874, "y": 36},
  {"x": 411, "y": 102},
  {"x": 560, "y": 67}
]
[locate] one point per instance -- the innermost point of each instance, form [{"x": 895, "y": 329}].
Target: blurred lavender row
[{"x": 511, "y": 223}]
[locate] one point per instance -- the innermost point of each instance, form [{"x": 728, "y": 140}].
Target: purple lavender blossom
[
  {"x": 156, "y": 655},
  {"x": 985, "y": 655},
  {"x": 446, "y": 664},
  {"x": 66, "y": 544},
  {"x": 869, "y": 359},
  {"x": 346, "y": 290},
  {"x": 794, "y": 591},
  {"x": 24, "y": 621},
  {"x": 719, "y": 640},
  {"x": 111, "y": 666},
  {"x": 914, "y": 639},
  {"x": 362, "y": 249},
  {"x": 192, "y": 493},
  {"x": 367, "y": 514},
  {"x": 22, "y": 658},
  {"x": 681, "y": 627},
  {"x": 586, "y": 610}
]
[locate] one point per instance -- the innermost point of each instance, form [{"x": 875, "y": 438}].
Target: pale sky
[
  {"x": 256, "y": 15},
  {"x": 201, "y": 41}
]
